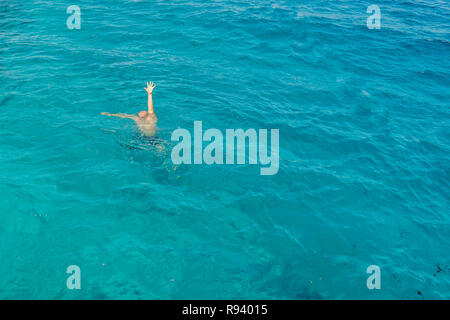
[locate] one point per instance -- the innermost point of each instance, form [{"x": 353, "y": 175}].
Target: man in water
[{"x": 145, "y": 120}]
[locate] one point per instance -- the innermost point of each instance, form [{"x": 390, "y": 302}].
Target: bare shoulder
[{"x": 152, "y": 117}]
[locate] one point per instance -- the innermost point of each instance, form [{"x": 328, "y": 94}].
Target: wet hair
[{"x": 142, "y": 114}]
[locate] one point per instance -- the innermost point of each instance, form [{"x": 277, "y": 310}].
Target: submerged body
[
  {"x": 147, "y": 124},
  {"x": 145, "y": 120}
]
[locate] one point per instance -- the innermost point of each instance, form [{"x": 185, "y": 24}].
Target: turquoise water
[{"x": 364, "y": 150}]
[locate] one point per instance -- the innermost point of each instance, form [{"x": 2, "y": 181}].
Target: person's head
[{"x": 143, "y": 114}]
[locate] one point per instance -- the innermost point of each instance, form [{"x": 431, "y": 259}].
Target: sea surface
[{"x": 364, "y": 122}]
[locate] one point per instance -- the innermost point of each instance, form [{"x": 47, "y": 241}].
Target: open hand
[{"x": 150, "y": 87}]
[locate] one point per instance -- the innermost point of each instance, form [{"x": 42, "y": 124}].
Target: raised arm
[
  {"x": 149, "y": 89},
  {"x": 120, "y": 115}
]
